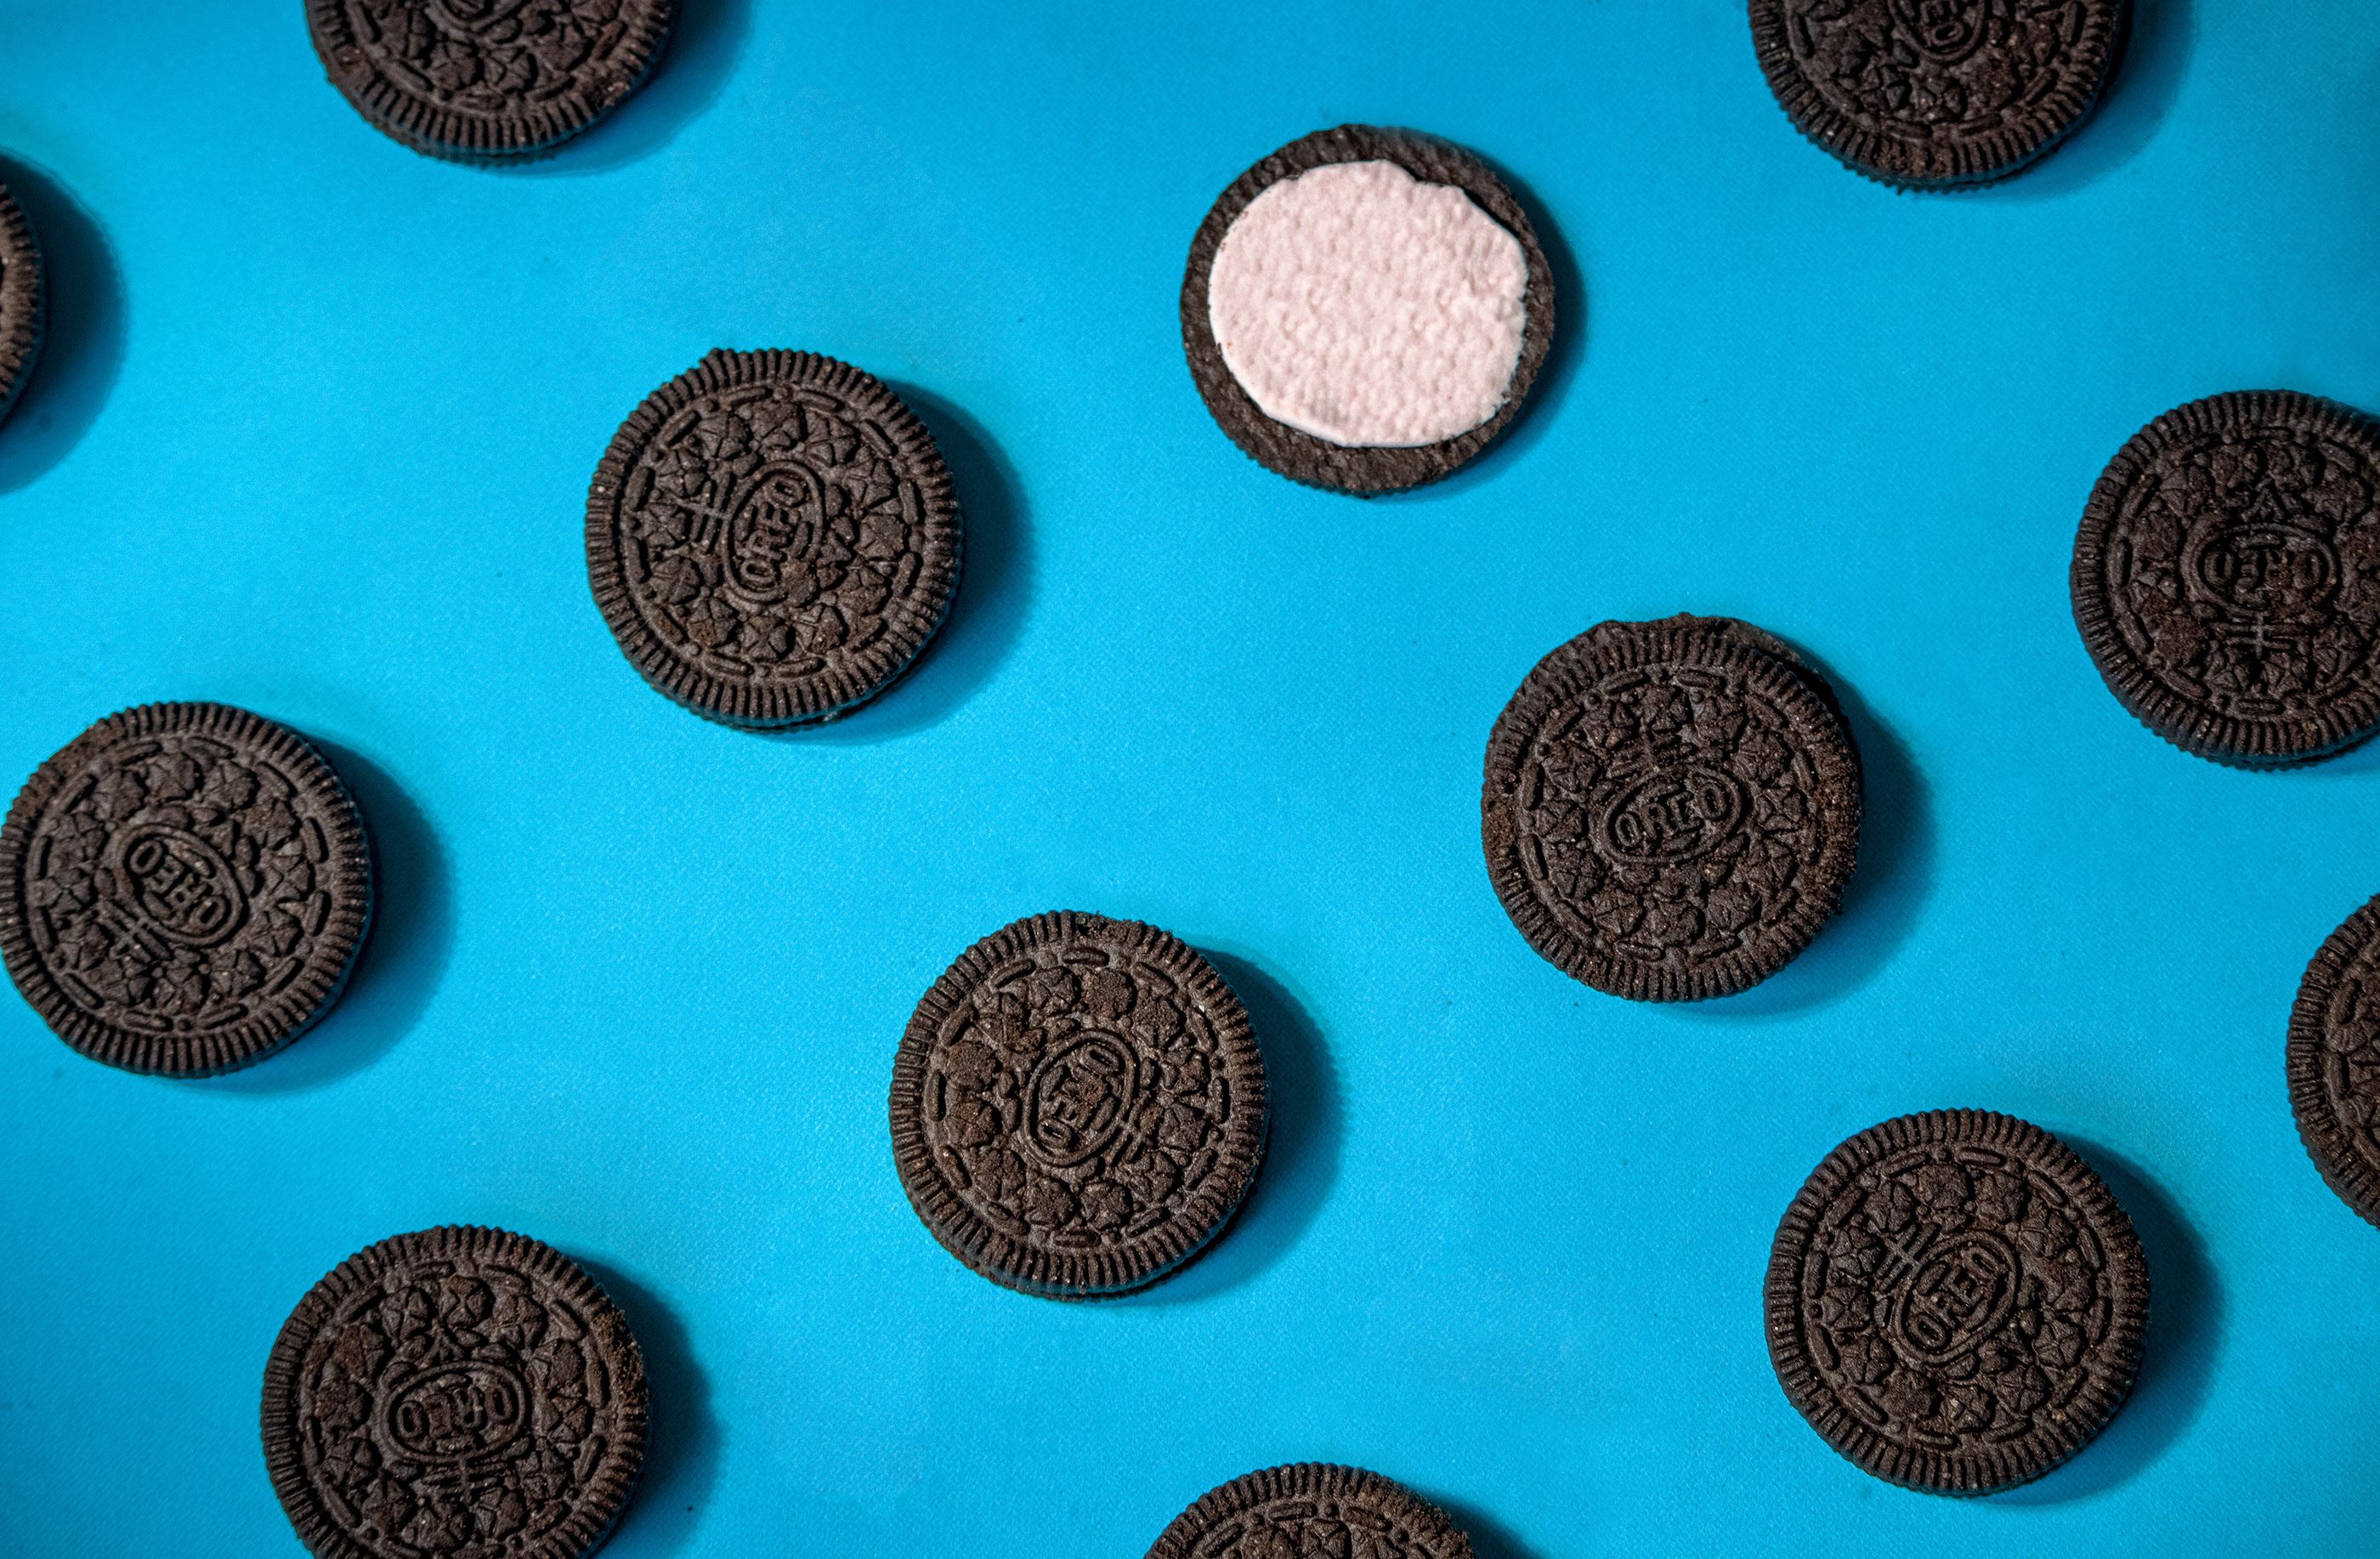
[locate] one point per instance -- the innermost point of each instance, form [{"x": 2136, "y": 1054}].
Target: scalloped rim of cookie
[
  {"x": 2004, "y": 155},
  {"x": 839, "y": 689},
  {"x": 462, "y": 138},
  {"x": 2345, "y": 1171},
  {"x": 1299, "y": 457},
  {"x": 1435, "y": 1528},
  {"x": 24, "y": 301},
  {"x": 592, "y": 1520},
  {"x": 2225, "y": 740},
  {"x": 299, "y": 1007},
  {"x": 1076, "y": 1274},
  {"x": 1620, "y": 646},
  {"x": 2004, "y": 1466}
]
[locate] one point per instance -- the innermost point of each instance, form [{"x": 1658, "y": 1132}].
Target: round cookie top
[
  {"x": 1955, "y": 1302},
  {"x": 1312, "y": 1508},
  {"x": 183, "y": 888},
  {"x": 773, "y": 538},
  {"x": 2227, "y": 577},
  {"x": 23, "y": 300},
  {"x": 1936, "y": 94},
  {"x": 1366, "y": 310},
  {"x": 2334, "y": 1061},
  {"x": 461, "y": 1392},
  {"x": 1670, "y": 809},
  {"x": 488, "y": 80},
  {"x": 1077, "y": 1106}
]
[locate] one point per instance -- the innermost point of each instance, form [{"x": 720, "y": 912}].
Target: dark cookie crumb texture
[
  {"x": 1955, "y": 1301},
  {"x": 1938, "y": 93},
  {"x": 774, "y": 538},
  {"x": 23, "y": 301},
  {"x": 2227, "y": 577},
  {"x": 488, "y": 80},
  {"x": 184, "y": 888},
  {"x": 1312, "y": 1509},
  {"x": 1078, "y": 1106},
  {"x": 463, "y": 1393},
  {"x": 1317, "y": 462},
  {"x": 1672, "y": 810},
  {"x": 2334, "y": 1061}
]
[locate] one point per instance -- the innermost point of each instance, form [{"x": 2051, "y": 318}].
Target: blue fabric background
[{"x": 314, "y": 437}]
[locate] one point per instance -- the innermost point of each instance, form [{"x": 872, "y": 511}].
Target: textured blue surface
[{"x": 314, "y": 438}]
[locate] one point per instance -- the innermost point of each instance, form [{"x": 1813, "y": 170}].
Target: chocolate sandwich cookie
[
  {"x": 23, "y": 301},
  {"x": 2227, "y": 577},
  {"x": 1955, "y": 1301},
  {"x": 183, "y": 889},
  {"x": 459, "y": 1391},
  {"x": 1366, "y": 310},
  {"x": 1930, "y": 94},
  {"x": 1312, "y": 1508},
  {"x": 774, "y": 538},
  {"x": 488, "y": 80},
  {"x": 1672, "y": 810},
  {"x": 1078, "y": 1106},
  {"x": 2334, "y": 1061}
]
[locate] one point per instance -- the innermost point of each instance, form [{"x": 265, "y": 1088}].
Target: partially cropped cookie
[
  {"x": 1308, "y": 1511},
  {"x": 24, "y": 301},
  {"x": 460, "y": 1392},
  {"x": 184, "y": 889},
  {"x": 1936, "y": 94},
  {"x": 488, "y": 80},
  {"x": 774, "y": 538},
  {"x": 1078, "y": 1106},
  {"x": 2227, "y": 577},
  {"x": 1366, "y": 310},
  {"x": 1672, "y": 810},
  {"x": 1955, "y": 1301},
  {"x": 2334, "y": 1061}
]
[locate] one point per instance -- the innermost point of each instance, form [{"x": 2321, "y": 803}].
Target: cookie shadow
[
  {"x": 2139, "y": 95},
  {"x": 2178, "y": 1347},
  {"x": 1555, "y": 376},
  {"x": 701, "y": 55},
  {"x": 1887, "y": 889},
  {"x": 412, "y": 931},
  {"x": 682, "y": 1446},
  {"x": 82, "y": 352},
  {"x": 1301, "y": 1154},
  {"x": 1489, "y": 1541},
  {"x": 995, "y": 584}
]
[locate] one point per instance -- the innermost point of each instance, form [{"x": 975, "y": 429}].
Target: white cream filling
[{"x": 1360, "y": 305}]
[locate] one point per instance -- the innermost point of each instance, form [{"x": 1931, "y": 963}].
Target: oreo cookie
[
  {"x": 1930, "y": 94},
  {"x": 2227, "y": 577},
  {"x": 2334, "y": 1061},
  {"x": 1955, "y": 1301},
  {"x": 773, "y": 538},
  {"x": 1312, "y": 1508},
  {"x": 1672, "y": 810},
  {"x": 24, "y": 301},
  {"x": 459, "y": 1391},
  {"x": 1078, "y": 1106},
  {"x": 183, "y": 889},
  {"x": 1366, "y": 310},
  {"x": 488, "y": 80}
]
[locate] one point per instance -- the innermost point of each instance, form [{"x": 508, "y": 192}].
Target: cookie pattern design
[
  {"x": 2334, "y": 1061},
  {"x": 1078, "y": 1105},
  {"x": 460, "y": 1393},
  {"x": 1310, "y": 1512},
  {"x": 1955, "y": 1301}
]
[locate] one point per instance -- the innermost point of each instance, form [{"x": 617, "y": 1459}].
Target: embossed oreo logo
[
  {"x": 461, "y": 1413},
  {"x": 1955, "y": 1299},
  {"x": 2262, "y": 566},
  {"x": 1944, "y": 30},
  {"x": 775, "y": 527},
  {"x": 179, "y": 885},
  {"x": 1078, "y": 1098},
  {"x": 1674, "y": 813}
]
